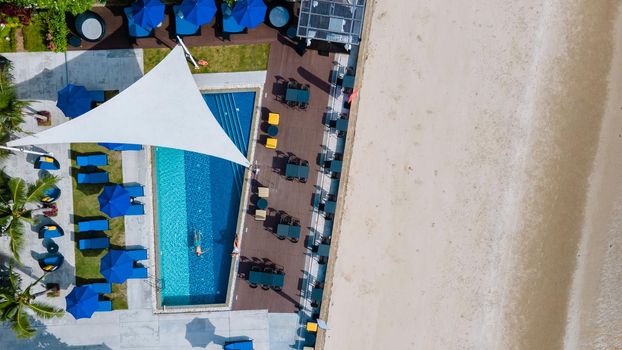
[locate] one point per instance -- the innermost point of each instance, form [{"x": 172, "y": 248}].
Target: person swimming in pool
[{"x": 197, "y": 243}]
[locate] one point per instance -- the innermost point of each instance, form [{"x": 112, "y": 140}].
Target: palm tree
[
  {"x": 17, "y": 209},
  {"x": 14, "y": 302},
  {"x": 11, "y": 116}
]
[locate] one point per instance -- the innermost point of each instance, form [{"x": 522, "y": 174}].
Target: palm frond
[
  {"x": 15, "y": 281},
  {"x": 21, "y": 326},
  {"x": 35, "y": 192},
  {"x": 18, "y": 188},
  {"x": 46, "y": 311},
  {"x": 27, "y": 290},
  {"x": 15, "y": 231}
]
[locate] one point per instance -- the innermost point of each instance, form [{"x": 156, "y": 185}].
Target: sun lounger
[
  {"x": 263, "y": 192},
  {"x": 271, "y": 142},
  {"x": 139, "y": 272},
  {"x": 50, "y": 231},
  {"x": 137, "y": 254},
  {"x": 93, "y": 178},
  {"x": 94, "y": 243},
  {"x": 135, "y": 190},
  {"x": 47, "y": 163},
  {"x": 101, "y": 288},
  {"x": 100, "y": 159},
  {"x": 93, "y": 225},
  {"x": 239, "y": 345},
  {"x": 51, "y": 263},
  {"x": 135, "y": 209},
  {"x": 273, "y": 118},
  {"x": 260, "y": 215},
  {"x": 104, "y": 305}
]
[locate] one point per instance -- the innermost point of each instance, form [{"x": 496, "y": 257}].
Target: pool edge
[{"x": 227, "y": 306}]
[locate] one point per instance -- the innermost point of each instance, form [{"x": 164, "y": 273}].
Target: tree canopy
[{"x": 73, "y": 6}]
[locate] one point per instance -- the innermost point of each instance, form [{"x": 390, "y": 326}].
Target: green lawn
[
  {"x": 85, "y": 205},
  {"x": 8, "y": 45},
  {"x": 34, "y": 39},
  {"x": 226, "y": 58}
]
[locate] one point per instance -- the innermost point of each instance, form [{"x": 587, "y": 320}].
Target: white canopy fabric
[{"x": 164, "y": 108}]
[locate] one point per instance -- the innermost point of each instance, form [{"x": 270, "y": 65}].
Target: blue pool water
[{"x": 195, "y": 191}]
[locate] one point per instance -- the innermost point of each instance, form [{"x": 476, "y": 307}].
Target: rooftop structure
[{"x": 337, "y": 21}]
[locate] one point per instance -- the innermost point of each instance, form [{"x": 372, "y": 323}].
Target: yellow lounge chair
[
  {"x": 263, "y": 192},
  {"x": 271, "y": 142},
  {"x": 260, "y": 215},
  {"x": 311, "y": 327},
  {"x": 273, "y": 118}
]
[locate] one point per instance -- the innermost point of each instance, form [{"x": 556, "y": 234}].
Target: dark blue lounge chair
[
  {"x": 135, "y": 190},
  {"x": 93, "y": 178},
  {"x": 239, "y": 345},
  {"x": 97, "y": 95},
  {"x": 50, "y": 195},
  {"x": 47, "y": 163},
  {"x": 94, "y": 243},
  {"x": 99, "y": 159},
  {"x": 51, "y": 263},
  {"x": 137, "y": 254},
  {"x": 182, "y": 26},
  {"x": 135, "y": 209},
  {"x": 134, "y": 29},
  {"x": 51, "y": 231},
  {"x": 93, "y": 225},
  {"x": 104, "y": 305},
  {"x": 101, "y": 288},
  {"x": 139, "y": 272}
]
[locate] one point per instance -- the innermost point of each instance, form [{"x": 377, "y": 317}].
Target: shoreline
[{"x": 467, "y": 233}]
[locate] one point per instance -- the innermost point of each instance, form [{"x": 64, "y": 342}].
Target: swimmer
[{"x": 197, "y": 243}]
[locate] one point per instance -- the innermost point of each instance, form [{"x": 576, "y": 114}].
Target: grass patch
[
  {"x": 8, "y": 45},
  {"x": 226, "y": 58},
  {"x": 34, "y": 34},
  {"x": 86, "y": 205}
]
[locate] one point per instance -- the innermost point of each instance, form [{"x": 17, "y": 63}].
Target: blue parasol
[
  {"x": 249, "y": 13},
  {"x": 116, "y": 266},
  {"x": 74, "y": 100},
  {"x": 114, "y": 201},
  {"x": 198, "y": 12},
  {"x": 82, "y": 302},
  {"x": 148, "y": 13}
]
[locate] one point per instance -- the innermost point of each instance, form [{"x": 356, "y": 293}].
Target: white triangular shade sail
[{"x": 163, "y": 108}]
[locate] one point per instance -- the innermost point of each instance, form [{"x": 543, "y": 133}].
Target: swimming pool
[{"x": 203, "y": 193}]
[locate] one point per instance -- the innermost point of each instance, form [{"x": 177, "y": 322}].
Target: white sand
[{"x": 468, "y": 195}]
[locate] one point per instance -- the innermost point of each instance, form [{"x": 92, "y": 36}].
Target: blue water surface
[{"x": 196, "y": 192}]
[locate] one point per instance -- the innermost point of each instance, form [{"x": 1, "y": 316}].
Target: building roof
[
  {"x": 164, "y": 108},
  {"x": 337, "y": 21}
]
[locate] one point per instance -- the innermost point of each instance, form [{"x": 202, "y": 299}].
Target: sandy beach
[{"x": 483, "y": 202}]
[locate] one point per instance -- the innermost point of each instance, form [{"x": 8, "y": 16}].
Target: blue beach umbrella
[
  {"x": 82, "y": 302},
  {"x": 116, "y": 266},
  {"x": 114, "y": 201},
  {"x": 148, "y": 13},
  {"x": 74, "y": 100},
  {"x": 198, "y": 12},
  {"x": 249, "y": 13}
]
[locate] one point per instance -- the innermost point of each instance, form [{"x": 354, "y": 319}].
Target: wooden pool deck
[{"x": 300, "y": 134}]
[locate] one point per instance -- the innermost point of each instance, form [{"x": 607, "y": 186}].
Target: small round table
[
  {"x": 278, "y": 17},
  {"x": 90, "y": 26},
  {"x": 273, "y": 130},
  {"x": 262, "y": 203}
]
